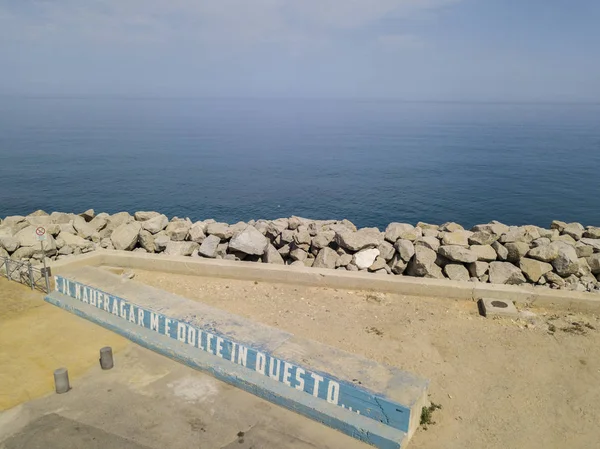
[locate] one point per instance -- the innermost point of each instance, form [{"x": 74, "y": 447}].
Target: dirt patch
[{"x": 501, "y": 383}]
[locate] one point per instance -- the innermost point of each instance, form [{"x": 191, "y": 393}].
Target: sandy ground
[{"x": 526, "y": 383}]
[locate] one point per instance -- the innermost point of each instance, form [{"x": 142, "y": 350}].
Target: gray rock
[
  {"x": 24, "y": 252},
  {"x": 592, "y": 232},
  {"x": 323, "y": 239},
  {"x": 343, "y": 260},
  {"x": 423, "y": 225},
  {"x": 378, "y": 265},
  {"x": 361, "y": 239},
  {"x": 584, "y": 267},
  {"x": 125, "y": 236},
  {"x": 544, "y": 253},
  {"x": 548, "y": 233},
  {"x": 295, "y": 222},
  {"x": 146, "y": 241},
  {"x": 67, "y": 227},
  {"x": 327, "y": 258},
  {"x": 429, "y": 242},
  {"x": 394, "y": 231},
  {"x": 276, "y": 227},
  {"x": 565, "y": 239},
  {"x": 106, "y": 243},
  {"x": 523, "y": 234},
  {"x": 83, "y": 229},
  {"x": 505, "y": 273},
  {"x": 555, "y": 279},
  {"x": 442, "y": 261},
  {"x": 298, "y": 254},
  {"x": 575, "y": 230},
  {"x": 155, "y": 224},
  {"x": 3, "y": 253},
  {"x": 88, "y": 215},
  {"x": 66, "y": 250},
  {"x": 423, "y": 264},
  {"x": 38, "y": 220},
  {"x": 484, "y": 252},
  {"x": 178, "y": 248},
  {"x": 209, "y": 246},
  {"x": 386, "y": 250},
  {"x": 365, "y": 258},
  {"x": 271, "y": 255},
  {"x": 61, "y": 218},
  {"x": 534, "y": 269},
  {"x": 285, "y": 250},
  {"x": 118, "y": 219},
  {"x": 74, "y": 241},
  {"x": 10, "y": 244},
  {"x": 27, "y": 236},
  {"x": 458, "y": 253},
  {"x": 161, "y": 241},
  {"x": 302, "y": 236},
  {"x": 249, "y": 241},
  {"x": 478, "y": 269},
  {"x": 501, "y": 250},
  {"x": 482, "y": 238},
  {"x": 594, "y": 263},
  {"x": 594, "y": 243},
  {"x": 542, "y": 241},
  {"x": 405, "y": 249},
  {"x": 221, "y": 230},
  {"x": 98, "y": 223},
  {"x": 430, "y": 233},
  {"x": 456, "y": 272},
  {"x": 451, "y": 227},
  {"x": 493, "y": 227},
  {"x": 560, "y": 225},
  {"x": 397, "y": 265},
  {"x": 583, "y": 250},
  {"x": 196, "y": 232},
  {"x": 460, "y": 238},
  {"x": 287, "y": 236},
  {"x": 567, "y": 262},
  {"x": 516, "y": 250},
  {"x": 178, "y": 231},
  {"x": 145, "y": 216}
]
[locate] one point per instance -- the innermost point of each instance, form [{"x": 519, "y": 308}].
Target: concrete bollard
[
  {"x": 106, "y": 358},
  {"x": 61, "y": 380}
]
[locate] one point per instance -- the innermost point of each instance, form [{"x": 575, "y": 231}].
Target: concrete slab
[{"x": 491, "y": 307}]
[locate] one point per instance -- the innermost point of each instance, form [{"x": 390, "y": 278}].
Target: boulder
[
  {"x": 478, "y": 269},
  {"x": 555, "y": 279},
  {"x": 423, "y": 264},
  {"x": 429, "y": 242},
  {"x": 66, "y": 238},
  {"x": 323, "y": 239},
  {"x": 523, "y": 234},
  {"x": 505, "y": 273},
  {"x": 379, "y": 264},
  {"x": 38, "y": 220},
  {"x": 386, "y": 250},
  {"x": 88, "y": 215},
  {"x": 594, "y": 263},
  {"x": 27, "y": 236},
  {"x": 493, "y": 227},
  {"x": 10, "y": 244},
  {"x": 298, "y": 254},
  {"x": 155, "y": 224},
  {"x": 594, "y": 243},
  {"x": 196, "y": 232},
  {"x": 516, "y": 250},
  {"x": 145, "y": 216},
  {"x": 559, "y": 225},
  {"x": 146, "y": 241},
  {"x": 405, "y": 249},
  {"x": 276, "y": 227},
  {"x": 548, "y": 233},
  {"x": 221, "y": 230},
  {"x": 125, "y": 236},
  {"x": 83, "y": 228},
  {"x": 458, "y": 253},
  {"x": 365, "y": 258},
  {"x": 285, "y": 250},
  {"x": 61, "y": 218},
  {"x": 534, "y": 269},
  {"x": 501, "y": 250},
  {"x": 302, "y": 236},
  {"x": 592, "y": 232},
  {"x": 544, "y": 253},
  {"x": 397, "y": 265},
  {"x": 564, "y": 238},
  {"x": 67, "y": 227},
  {"x": 394, "y": 231},
  {"x": 583, "y": 250},
  {"x": 423, "y": 225},
  {"x": 567, "y": 262},
  {"x": 542, "y": 241},
  {"x": 451, "y": 227},
  {"x": 574, "y": 230},
  {"x": 118, "y": 219},
  {"x": 327, "y": 258},
  {"x": 249, "y": 241},
  {"x": 482, "y": 238},
  {"x": 98, "y": 223},
  {"x": 295, "y": 222},
  {"x": 161, "y": 241},
  {"x": 456, "y": 272},
  {"x": 343, "y": 260},
  {"x": 358, "y": 240},
  {"x": 460, "y": 238},
  {"x": 65, "y": 250},
  {"x": 209, "y": 246},
  {"x": 178, "y": 248},
  {"x": 484, "y": 252},
  {"x": 271, "y": 255},
  {"x": 24, "y": 252},
  {"x": 3, "y": 253},
  {"x": 178, "y": 230}
]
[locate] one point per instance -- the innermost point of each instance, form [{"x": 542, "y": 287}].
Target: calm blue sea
[{"x": 372, "y": 162}]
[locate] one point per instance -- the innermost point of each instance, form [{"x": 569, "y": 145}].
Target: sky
[{"x": 416, "y": 50}]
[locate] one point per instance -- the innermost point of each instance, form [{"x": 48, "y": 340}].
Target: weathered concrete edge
[
  {"x": 543, "y": 297},
  {"x": 356, "y": 426}
]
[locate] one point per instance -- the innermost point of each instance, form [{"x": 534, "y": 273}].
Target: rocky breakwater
[{"x": 565, "y": 256}]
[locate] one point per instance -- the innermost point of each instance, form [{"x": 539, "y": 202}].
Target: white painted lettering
[
  {"x": 167, "y": 327},
  {"x": 333, "y": 392},
  {"x": 181, "y": 332},
  {"x": 154, "y": 321},
  {"x": 140, "y": 317},
  {"x": 209, "y": 338},
  {"x": 200, "y": 340},
  {"x": 106, "y": 303},
  {"x": 131, "y": 314},
  {"x": 85, "y": 295},
  {"x": 243, "y": 356},
  {"x": 272, "y": 373},
  {"x": 115, "y": 307},
  {"x": 233, "y": 346},
  {"x": 78, "y": 292},
  {"x": 100, "y": 300},
  {"x": 93, "y": 297},
  {"x": 123, "y": 314},
  {"x": 261, "y": 362},
  {"x": 219, "y": 348},
  {"x": 318, "y": 379},
  {"x": 300, "y": 378},
  {"x": 287, "y": 374},
  {"x": 191, "y": 334}
]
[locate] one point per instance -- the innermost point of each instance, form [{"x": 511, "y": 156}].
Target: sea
[{"x": 370, "y": 161}]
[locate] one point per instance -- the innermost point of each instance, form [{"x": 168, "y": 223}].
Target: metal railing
[{"x": 25, "y": 273}]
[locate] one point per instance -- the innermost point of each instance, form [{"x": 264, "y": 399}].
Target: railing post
[
  {"x": 31, "y": 276},
  {"x": 47, "y": 280}
]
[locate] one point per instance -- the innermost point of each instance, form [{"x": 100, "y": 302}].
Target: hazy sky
[{"x": 509, "y": 50}]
